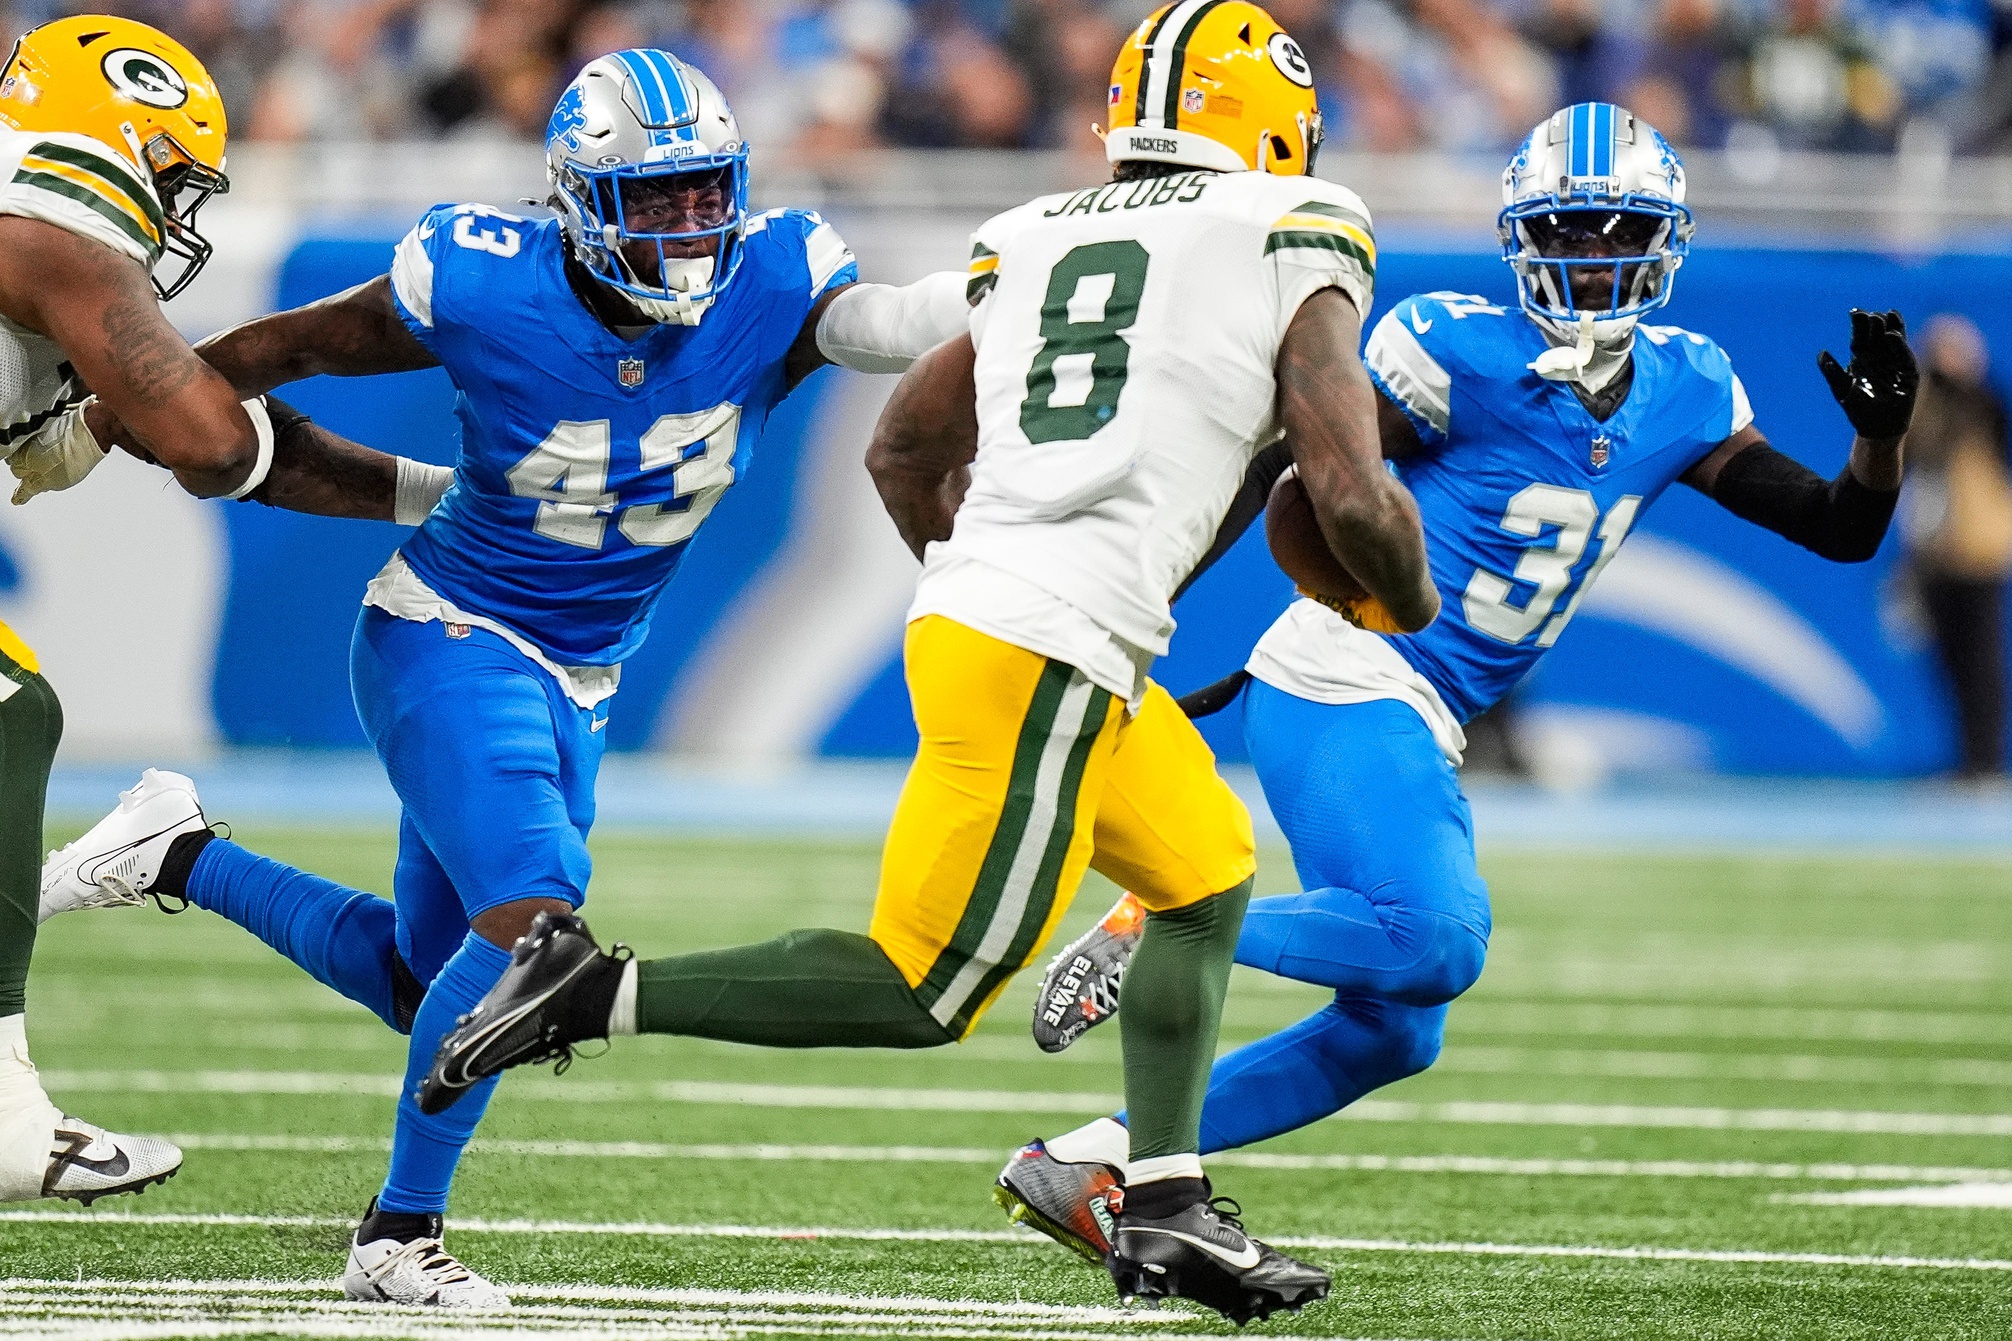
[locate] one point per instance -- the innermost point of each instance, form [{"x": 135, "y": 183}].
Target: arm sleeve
[
  {"x": 1408, "y": 374},
  {"x": 882, "y": 328},
  {"x": 1324, "y": 242},
  {"x": 1840, "y": 520}
]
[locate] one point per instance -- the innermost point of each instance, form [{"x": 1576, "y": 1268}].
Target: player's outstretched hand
[{"x": 1877, "y": 390}]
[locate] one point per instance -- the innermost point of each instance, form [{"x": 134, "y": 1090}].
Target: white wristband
[
  {"x": 879, "y": 328},
  {"x": 262, "y": 467},
  {"x": 420, "y": 489}
]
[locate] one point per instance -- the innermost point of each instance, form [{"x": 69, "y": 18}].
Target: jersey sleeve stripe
[
  {"x": 1308, "y": 240},
  {"x": 123, "y": 218},
  {"x": 826, "y": 253},
  {"x": 1315, "y": 223},
  {"x": 412, "y": 278},
  {"x": 1415, "y": 380},
  {"x": 1334, "y": 211},
  {"x": 984, "y": 273},
  {"x": 1743, "y": 410},
  {"x": 110, "y": 172}
]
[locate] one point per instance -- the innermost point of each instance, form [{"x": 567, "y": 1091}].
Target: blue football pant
[
  {"x": 1394, "y": 914},
  {"x": 495, "y": 769}
]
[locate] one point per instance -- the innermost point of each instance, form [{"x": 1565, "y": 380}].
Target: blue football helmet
[
  {"x": 640, "y": 137},
  {"x": 1593, "y": 220}
]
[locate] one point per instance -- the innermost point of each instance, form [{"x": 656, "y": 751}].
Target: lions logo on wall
[{"x": 145, "y": 77}]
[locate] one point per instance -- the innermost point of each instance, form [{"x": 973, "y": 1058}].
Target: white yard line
[
  {"x": 1029, "y": 1238},
  {"x": 1037, "y": 1101},
  {"x": 1778, "y": 1068},
  {"x": 913, "y": 1154},
  {"x": 1960, "y": 1196}
]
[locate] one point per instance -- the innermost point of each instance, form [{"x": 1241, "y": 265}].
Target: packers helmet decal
[
  {"x": 149, "y": 101},
  {"x": 1214, "y": 84}
]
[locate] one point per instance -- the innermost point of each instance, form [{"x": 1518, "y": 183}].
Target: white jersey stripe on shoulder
[
  {"x": 826, "y": 253},
  {"x": 1743, "y": 410},
  {"x": 1160, "y": 69},
  {"x": 1412, "y": 374},
  {"x": 412, "y": 278}
]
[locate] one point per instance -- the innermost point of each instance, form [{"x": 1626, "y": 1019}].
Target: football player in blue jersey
[
  {"x": 1532, "y": 440},
  {"x": 615, "y": 366}
]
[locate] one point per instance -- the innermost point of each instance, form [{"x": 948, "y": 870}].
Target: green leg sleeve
[
  {"x": 806, "y": 989},
  {"x": 1169, "y": 1008},
  {"x": 31, "y": 722}
]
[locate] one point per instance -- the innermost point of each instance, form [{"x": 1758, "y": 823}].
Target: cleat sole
[
  {"x": 1021, "y": 1212},
  {"x": 134, "y": 1188}
]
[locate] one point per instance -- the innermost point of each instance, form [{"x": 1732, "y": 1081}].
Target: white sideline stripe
[
  {"x": 1039, "y": 1101},
  {"x": 922, "y": 1154},
  {"x": 1030, "y": 1238},
  {"x": 1970, "y": 1196}
]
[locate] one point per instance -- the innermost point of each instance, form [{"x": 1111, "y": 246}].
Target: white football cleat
[
  {"x": 117, "y": 862},
  {"x": 420, "y": 1272},
  {"x": 45, "y": 1152}
]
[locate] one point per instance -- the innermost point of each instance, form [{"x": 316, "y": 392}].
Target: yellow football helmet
[
  {"x": 138, "y": 91},
  {"x": 1214, "y": 84}
]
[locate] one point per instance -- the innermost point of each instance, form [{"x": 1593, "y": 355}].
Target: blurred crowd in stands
[{"x": 813, "y": 77}]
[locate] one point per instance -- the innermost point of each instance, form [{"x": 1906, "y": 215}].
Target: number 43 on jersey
[{"x": 568, "y": 474}]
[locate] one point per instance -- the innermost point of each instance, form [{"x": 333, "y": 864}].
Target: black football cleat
[
  {"x": 1072, "y": 1204},
  {"x": 1202, "y": 1253},
  {"x": 1080, "y": 989},
  {"x": 556, "y": 992}
]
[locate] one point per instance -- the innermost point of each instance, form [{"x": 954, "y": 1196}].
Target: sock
[
  {"x": 20, "y": 1086},
  {"x": 1316, "y": 1068},
  {"x": 1158, "y": 1198},
  {"x": 424, "y": 1150},
  {"x": 1104, "y": 1141},
  {"x": 1169, "y": 1009},
  {"x": 804, "y": 989},
  {"x": 398, "y": 1226},
  {"x": 622, "y": 1014},
  {"x": 344, "y": 938}
]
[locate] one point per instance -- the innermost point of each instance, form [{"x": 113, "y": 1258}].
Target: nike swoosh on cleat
[{"x": 1242, "y": 1261}]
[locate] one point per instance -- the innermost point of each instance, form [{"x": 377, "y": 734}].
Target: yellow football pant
[{"x": 1027, "y": 775}]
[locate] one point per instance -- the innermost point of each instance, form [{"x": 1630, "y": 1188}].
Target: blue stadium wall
[{"x": 1766, "y": 658}]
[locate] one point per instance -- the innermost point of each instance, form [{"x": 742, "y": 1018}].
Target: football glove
[
  {"x": 55, "y": 456},
  {"x": 1877, "y": 389}
]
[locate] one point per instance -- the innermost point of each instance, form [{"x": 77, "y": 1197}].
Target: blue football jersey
[
  {"x": 1524, "y": 495},
  {"x": 589, "y": 461}
]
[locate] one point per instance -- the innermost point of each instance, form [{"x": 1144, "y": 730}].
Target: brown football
[{"x": 1301, "y": 550}]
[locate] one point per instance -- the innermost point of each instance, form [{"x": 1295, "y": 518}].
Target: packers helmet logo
[
  {"x": 1290, "y": 60},
  {"x": 145, "y": 77}
]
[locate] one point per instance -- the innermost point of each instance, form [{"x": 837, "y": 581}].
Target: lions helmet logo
[
  {"x": 567, "y": 119},
  {"x": 145, "y": 78}
]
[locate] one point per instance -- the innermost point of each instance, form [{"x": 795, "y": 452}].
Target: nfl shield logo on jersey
[
  {"x": 1602, "y": 448},
  {"x": 629, "y": 372}
]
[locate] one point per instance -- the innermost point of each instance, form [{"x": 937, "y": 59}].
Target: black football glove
[{"x": 1877, "y": 390}]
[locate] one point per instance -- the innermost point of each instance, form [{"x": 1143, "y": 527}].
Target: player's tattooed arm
[
  {"x": 100, "y": 309},
  {"x": 922, "y": 449},
  {"x": 1328, "y": 408},
  {"x": 351, "y": 334}
]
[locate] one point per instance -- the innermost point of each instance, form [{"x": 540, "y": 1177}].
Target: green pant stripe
[
  {"x": 1048, "y": 877},
  {"x": 1035, "y": 728}
]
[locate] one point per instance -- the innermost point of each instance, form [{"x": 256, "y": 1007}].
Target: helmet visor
[{"x": 652, "y": 217}]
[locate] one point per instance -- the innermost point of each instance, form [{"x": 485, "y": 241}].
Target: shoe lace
[
  {"x": 427, "y": 1256},
  {"x": 562, "y": 1055},
  {"x": 1229, "y": 1212}
]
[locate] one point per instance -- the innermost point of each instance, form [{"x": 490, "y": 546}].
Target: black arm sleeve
[
  {"x": 1245, "y": 508},
  {"x": 1840, "y": 519}
]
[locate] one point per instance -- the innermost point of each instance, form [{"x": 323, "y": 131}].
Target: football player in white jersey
[
  {"x": 1132, "y": 347},
  {"x": 111, "y": 137}
]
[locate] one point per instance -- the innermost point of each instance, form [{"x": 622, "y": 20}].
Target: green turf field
[{"x": 1670, "y": 1109}]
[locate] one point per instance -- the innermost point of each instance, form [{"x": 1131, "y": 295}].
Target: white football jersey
[
  {"x": 1126, "y": 338},
  {"x": 79, "y": 184}
]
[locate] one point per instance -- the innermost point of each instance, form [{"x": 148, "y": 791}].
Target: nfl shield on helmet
[
  {"x": 144, "y": 96},
  {"x": 1214, "y": 84},
  {"x": 1593, "y": 218},
  {"x": 631, "y": 120}
]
